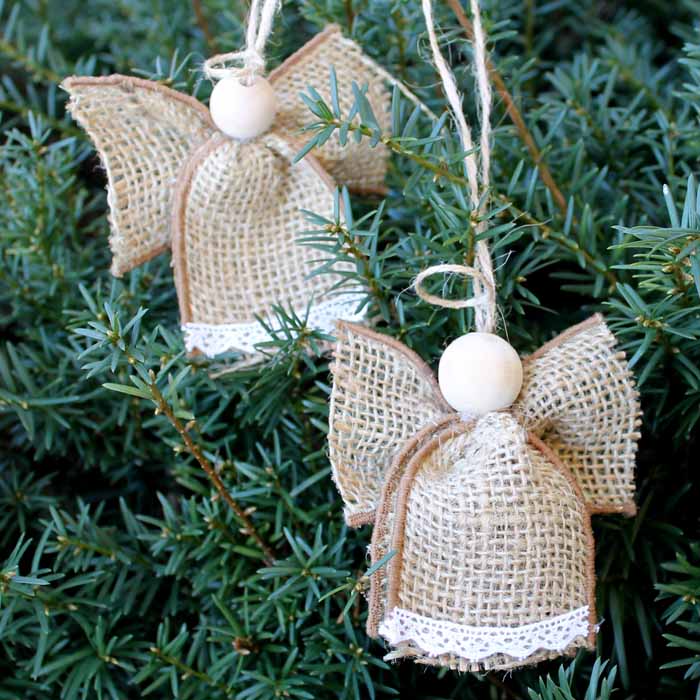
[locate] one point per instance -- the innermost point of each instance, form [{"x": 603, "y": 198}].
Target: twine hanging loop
[{"x": 483, "y": 301}]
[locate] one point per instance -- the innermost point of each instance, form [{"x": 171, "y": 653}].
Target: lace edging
[
  {"x": 437, "y": 637},
  {"x": 213, "y": 339}
]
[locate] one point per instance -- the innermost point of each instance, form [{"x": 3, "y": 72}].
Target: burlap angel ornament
[
  {"x": 481, "y": 483},
  {"x": 230, "y": 205},
  {"x": 488, "y": 515}
]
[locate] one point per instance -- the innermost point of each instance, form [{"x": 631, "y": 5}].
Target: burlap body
[
  {"x": 238, "y": 209},
  {"x": 489, "y": 532},
  {"x": 578, "y": 395}
]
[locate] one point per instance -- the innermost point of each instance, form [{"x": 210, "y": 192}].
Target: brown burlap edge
[
  {"x": 179, "y": 209},
  {"x": 395, "y": 564},
  {"x": 129, "y": 80}
]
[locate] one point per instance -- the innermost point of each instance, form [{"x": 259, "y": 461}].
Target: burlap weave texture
[
  {"x": 358, "y": 165},
  {"x": 577, "y": 392},
  {"x": 144, "y": 133},
  {"x": 240, "y": 258},
  {"x": 489, "y": 533},
  {"x": 383, "y": 393}
]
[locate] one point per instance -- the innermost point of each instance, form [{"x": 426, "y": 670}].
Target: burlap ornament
[
  {"x": 488, "y": 518},
  {"x": 232, "y": 210}
]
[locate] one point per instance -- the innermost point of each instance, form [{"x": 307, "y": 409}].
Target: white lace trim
[
  {"x": 213, "y": 339},
  {"x": 437, "y": 637}
]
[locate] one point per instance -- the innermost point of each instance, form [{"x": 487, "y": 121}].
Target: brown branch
[
  {"x": 203, "y": 25},
  {"x": 194, "y": 449},
  {"x": 349, "y": 15},
  {"x": 513, "y": 113}
]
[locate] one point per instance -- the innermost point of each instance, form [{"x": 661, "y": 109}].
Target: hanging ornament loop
[
  {"x": 251, "y": 60},
  {"x": 484, "y": 300}
]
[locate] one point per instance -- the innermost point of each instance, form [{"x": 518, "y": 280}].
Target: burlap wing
[
  {"x": 382, "y": 395},
  {"x": 579, "y": 396},
  {"x": 238, "y": 211},
  {"x": 493, "y": 564},
  {"x": 143, "y": 132},
  {"x": 356, "y": 165}
]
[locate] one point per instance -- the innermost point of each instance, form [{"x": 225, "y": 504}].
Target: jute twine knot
[
  {"x": 251, "y": 60},
  {"x": 484, "y": 299}
]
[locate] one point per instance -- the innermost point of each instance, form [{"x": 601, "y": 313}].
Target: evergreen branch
[
  {"x": 203, "y": 25},
  {"x": 442, "y": 171},
  {"x": 548, "y": 233},
  {"x": 193, "y": 448},
  {"x": 188, "y": 671},
  {"x": 58, "y": 124},
  {"x": 36, "y": 70},
  {"x": 514, "y": 113}
]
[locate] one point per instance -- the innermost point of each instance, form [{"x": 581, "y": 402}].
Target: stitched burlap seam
[{"x": 380, "y": 532}]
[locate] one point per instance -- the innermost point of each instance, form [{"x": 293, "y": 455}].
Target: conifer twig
[
  {"x": 194, "y": 449},
  {"x": 514, "y": 113},
  {"x": 203, "y": 25}
]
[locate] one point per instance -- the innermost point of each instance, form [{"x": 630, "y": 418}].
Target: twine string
[
  {"x": 483, "y": 280},
  {"x": 249, "y": 63},
  {"x": 485, "y": 298}
]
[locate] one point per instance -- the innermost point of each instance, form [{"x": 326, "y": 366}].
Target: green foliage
[
  {"x": 599, "y": 687},
  {"x": 170, "y": 529},
  {"x": 684, "y": 611}
]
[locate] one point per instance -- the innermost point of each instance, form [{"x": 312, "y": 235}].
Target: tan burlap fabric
[
  {"x": 238, "y": 209},
  {"x": 490, "y": 533},
  {"x": 383, "y": 394},
  {"x": 578, "y": 395},
  {"x": 357, "y": 165},
  {"x": 144, "y": 133}
]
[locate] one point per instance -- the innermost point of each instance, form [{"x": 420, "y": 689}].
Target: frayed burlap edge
[
  {"x": 130, "y": 81},
  {"x": 395, "y": 564}
]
